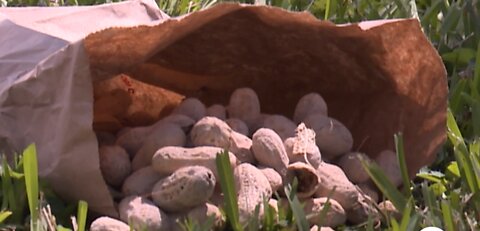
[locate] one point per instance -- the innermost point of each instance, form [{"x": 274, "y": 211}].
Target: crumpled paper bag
[
  {"x": 377, "y": 77},
  {"x": 46, "y": 91}
]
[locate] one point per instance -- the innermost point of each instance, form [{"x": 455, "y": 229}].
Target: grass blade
[
  {"x": 384, "y": 184},
  {"x": 447, "y": 216},
  {"x": 227, "y": 184},
  {"x": 82, "y": 215},
  {"x": 476, "y": 78},
  {"x": 327, "y": 10},
  {"x": 4, "y": 215},
  {"x": 297, "y": 209},
  {"x": 403, "y": 164},
  {"x": 30, "y": 169},
  {"x": 461, "y": 154}
]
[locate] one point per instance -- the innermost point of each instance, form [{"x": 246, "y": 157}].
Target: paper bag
[
  {"x": 378, "y": 78},
  {"x": 46, "y": 92}
]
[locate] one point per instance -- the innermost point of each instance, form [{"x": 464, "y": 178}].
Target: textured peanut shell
[
  {"x": 142, "y": 213},
  {"x": 211, "y": 131},
  {"x": 108, "y": 224},
  {"x": 389, "y": 209},
  {"x": 114, "y": 164},
  {"x": 352, "y": 167},
  {"x": 131, "y": 139},
  {"x": 268, "y": 150},
  {"x": 166, "y": 134},
  {"x": 183, "y": 121},
  {"x": 309, "y": 104},
  {"x": 387, "y": 160},
  {"x": 369, "y": 190},
  {"x": 169, "y": 159},
  {"x": 191, "y": 107},
  {"x": 288, "y": 143},
  {"x": 238, "y": 125},
  {"x": 186, "y": 188},
  {"x": 282, "y": 125},
  {"x": 332, "y": 137},
  {"x": 202, "y": 213},
  {"x": 303, "y": 147},
  {"x": 273, "y": 177},
  {"x": 217, "y": 110},
  {"x": 334, "y": 217},
  {"x": 252, "y": 188},
  {"x": 141, "y": 181},
  {"x": 332, "y": 177},
  {"x": 316, "y": 228},
  {"x": 362, "y": 210},
  {"x": 307, "y": 177},
  {"x": 245, "y": 105}
]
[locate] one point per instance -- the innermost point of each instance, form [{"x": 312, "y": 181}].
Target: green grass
[{"x": 22, "y": 190}]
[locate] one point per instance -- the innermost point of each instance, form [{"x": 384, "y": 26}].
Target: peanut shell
[
  {"x": 309, "y": 104},
  {"x": 114, "y": 164},
  {"x": 211, "y": 131},
  {"x": 142, "y": 213},
  {"x": 169, "y": 159},
  {"x": 186, "y": 188},
  {"x": 335, "y": 182},
  {"x": 268, "y": 150}
]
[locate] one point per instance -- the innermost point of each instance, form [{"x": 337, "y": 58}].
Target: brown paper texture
[{"x": 378, "y": 78}]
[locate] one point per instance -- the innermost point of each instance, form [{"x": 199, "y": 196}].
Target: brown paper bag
[{"x": 378, "y": 78}]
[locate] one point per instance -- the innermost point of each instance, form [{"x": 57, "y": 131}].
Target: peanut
[
  {"x": 131, "y": 139},
  {"x": 217, "y": 110},
  {"x": 184, "y": 189},
  {"x": 334, "y": 216},
  {"x": 268, "y": 150},
  {"x": 352, "y": 167},
  {"x": 252, "y": 189},
  {"x": 362, "y": 210},
  {"x": 369, "y": 190},
  {"x": 309, "y": 104},
  {"x": 308, "y": 180},
  {"x": 165, "y": 134},
  {"x": 142, "y": 214},
  {"x": 273, "y": 177},
  {"x": 245, "y": 105},
  {"x": 114, "y": 164},
  {"x": 108, "y": 224},
  {"x": 141, "y": 181},
  {"x": 211, "y": 131},
  {"x": 217, "y": 198},
  {"x": 283, "y": 126},
  {"x": 302, "y": 147},
  {"x": 389, "y": 209},
  {"x": 316, "y": 228},
  {"x": 333, "y": 178},
  {"x": 202, "y": 213},
  {"x": 191, "y": 107},
  {"x": 238, "y": 126},
  {"x": 332, "y": 137},
  {"x": 183, "y": 121},
  {"x": 169, "y": 159},
  {"x": 387, "y": 160},
  {"x": 258, "y": 123},
  {"x": 105, "y": 138}
]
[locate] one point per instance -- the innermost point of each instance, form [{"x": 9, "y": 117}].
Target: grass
[
  {"x": 20, "y": 192},
  {"x": 445, "y": 194}
]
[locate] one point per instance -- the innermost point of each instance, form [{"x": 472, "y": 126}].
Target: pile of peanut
[{"x": 166, "y": 172}]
